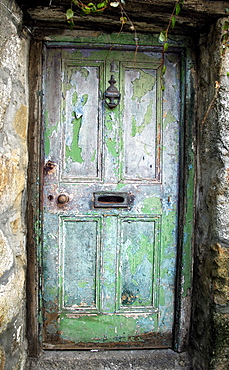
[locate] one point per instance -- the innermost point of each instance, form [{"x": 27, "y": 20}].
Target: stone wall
[
  {"x": 210, "y": 333},
  {"x": 13, "y": 165}
]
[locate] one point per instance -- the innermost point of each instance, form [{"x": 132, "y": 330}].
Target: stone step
[{"x": 110, "y": 360}]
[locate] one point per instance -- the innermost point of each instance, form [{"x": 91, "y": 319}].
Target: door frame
[{"x": 187, "y": 177}]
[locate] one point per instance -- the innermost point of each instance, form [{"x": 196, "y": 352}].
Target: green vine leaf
[
  {"x": 166, "y": 46},
  {"x": 173, "y": 21},
  {"x": 163, "y": 70},
  {"x": 177, "y": 9},
  {"x": 92, "y": 7},
  {"x": 101, "y": 5},
  {"x": 86, "y": 10},
  {"x": 69, "y": 14},
  {"x": 163, "y": 36}
]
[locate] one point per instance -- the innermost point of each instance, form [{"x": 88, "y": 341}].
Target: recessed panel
[
  {"x": 140, "y": 123},
  {"x": 137, "y": 263},
  {"x": 81, "y": 122},
  {"x": 79, "y": 267}
]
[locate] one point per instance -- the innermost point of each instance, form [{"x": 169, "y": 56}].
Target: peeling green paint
[
  {"x": 112, "y": 147},
  {"x": 146, "y": 120},
  {"x": 111, "y": 38},
  {"x": 162, "y": 297},
  {"x": 74, "y": 98},
  {"x": 74, "y": 152},
  {"x": 82, "y": 284},
  {"x": 84, "y": 99},
  {"x": 84, "y": 72},
  {"x": 109, "y": 328},
  {"x": 141, "y": 85},
  {"x": 137, "y": 253},
  {"x": 169, "y": 119},
  {"x": 52, "y": 291},
  {"x": 152, "y": 205},
  {"x": 120, "y": 186},
  {"x": 109, "y": 124},
  {"x": 93, "y": 157}
]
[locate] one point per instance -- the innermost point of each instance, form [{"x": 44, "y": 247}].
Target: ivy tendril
[
  {"x": 94, "y": 8},
  {"x": 163, "y": 36}
]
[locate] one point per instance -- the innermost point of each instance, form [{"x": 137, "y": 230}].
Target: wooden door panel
[
  {"x": 138, "y": 264},
  {"x": 80, "y": 263},
  {"x": 140, "y": 124},
  {"x": 81, "y": 120}
]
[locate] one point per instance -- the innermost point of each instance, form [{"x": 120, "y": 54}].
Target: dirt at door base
[{"x": 106, "y": 360}]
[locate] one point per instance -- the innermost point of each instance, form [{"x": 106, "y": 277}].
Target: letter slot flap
[{"x": 111, "y": 200}]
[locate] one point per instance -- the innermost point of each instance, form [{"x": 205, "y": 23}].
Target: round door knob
[{"x": 62, "y": 199}]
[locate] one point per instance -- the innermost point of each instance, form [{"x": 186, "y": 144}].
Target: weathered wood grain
[{"x": 147, "y": 15}]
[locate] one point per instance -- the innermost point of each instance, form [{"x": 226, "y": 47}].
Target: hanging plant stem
[{"x": 163, "y": 37}]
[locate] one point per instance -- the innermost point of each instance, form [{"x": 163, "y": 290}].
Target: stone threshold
[{"x": 165, "y": 359}]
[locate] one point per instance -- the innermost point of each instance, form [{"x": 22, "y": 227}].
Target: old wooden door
[{"x": 110, "y": 202}]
